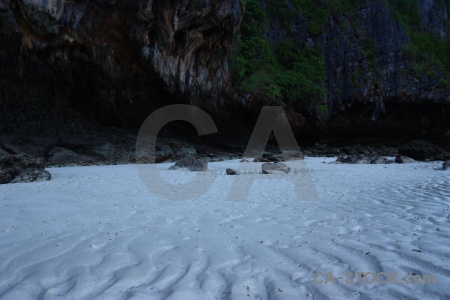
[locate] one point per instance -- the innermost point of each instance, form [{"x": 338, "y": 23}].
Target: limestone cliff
[
  {"x": 375, "y": 52},
  {"x": 345, "y": 67},
  {"x": 370, "y": 67},
  {"x": 116, "y": 60}
]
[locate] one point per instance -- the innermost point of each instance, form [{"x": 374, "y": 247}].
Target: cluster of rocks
[
  {"x": 362, "y": 159},
  {"x": 324, "y": 150},
  {"x": 191, "y": 164},
  {"x": 26, "y": 150},
  {"x": 44, "y": 139},
  {"x": 424, "y": 151},
  {"x": 21, "y": 168},
  {"x": 280, "y": 157},
  {"x": 403, "y": 159},
  {"x": 266, "y": 168},
  {"x": 273, "y": 168},
  {"x": 32, "y": 139},
  {"x": 374, "y": 160},
  {"x": 408, "y": 153},
  {"x": 196, "y": 165}
]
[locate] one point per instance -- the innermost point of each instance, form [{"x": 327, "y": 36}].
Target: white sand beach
[{"x": 99, "y": 233}]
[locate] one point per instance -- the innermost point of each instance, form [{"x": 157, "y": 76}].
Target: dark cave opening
[{"x": 401, "y": 121}]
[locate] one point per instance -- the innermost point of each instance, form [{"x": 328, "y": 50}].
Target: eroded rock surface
[
  {"x": 362, "y": 159},
  {"x": 191, "y": 164},
  {"x": 273, "y": 168},
  {"x": 22, "y": 168},
  {"x": 117, "y": 60},
  {"x": 446, "y": 165},
  {"x": 230, "y": 171},
  {"x": 403, "y": 159},
  {"x": 420, "y": 150}
]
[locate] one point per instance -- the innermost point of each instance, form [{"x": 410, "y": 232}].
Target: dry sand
[{"x": 98, "y": 232}]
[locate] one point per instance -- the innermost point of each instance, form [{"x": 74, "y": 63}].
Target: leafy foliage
[
  {"x": 255, "y": 22},
  {"x": 429, "y": 54},
  {"x": 289, "y": 72},
  {"x": 316, "y": 12},
  {"x": 295, "y": 74}
]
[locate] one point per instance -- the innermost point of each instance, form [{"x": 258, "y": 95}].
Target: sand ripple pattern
[{"x": 98, "y": 233}]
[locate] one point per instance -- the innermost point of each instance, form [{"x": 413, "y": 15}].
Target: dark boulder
[
  {"x": 232, "y": 172},
  {"x": 261, "y": 159},
  {"x": 289, "y": 155},
  {"x": 355, "y": 150},
  {"x": 403, "y": 159},
  {"x": 380, "y": 160},
  {"x": 321, "y": 150},
  {"x": 146, "y": 53},
  {"x": 353, "y": 159},
  {"x": 163, "y": 153},
  {"x": 64, "y": 157},
  {"x": 446, "y": 165},
  {"x": 272, "y": 158},
  {"x": 190, "y": 163},
  {"x": 362, "y": 159},
  {"x": 3, "y": 153},
  {"x": 22, "y": 168},
  {"x": 270, "y": 168},
  {"x": 186, "y": 151},
  {"x": 420, "y": 150}
]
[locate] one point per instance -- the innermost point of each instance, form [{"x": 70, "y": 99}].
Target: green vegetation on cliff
[
  {"x": 293, "y": 71},
  {"x": 430, "y": 54},
  {"x": 286, "y": 71},
  {"x": 316, "y": 12},
  {"x": 289, "y": 71}
]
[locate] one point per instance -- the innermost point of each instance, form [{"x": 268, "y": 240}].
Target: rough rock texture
[
  {"x": 190, "y": 47},
  {"x": 163, "y": 152},
  {"x": 356, "y": 149},
  {"x": 446, "y": 165},
  {"x": 362, "y": 159},
  {"x": 271, "y": 168},
  {"x": 232, "y": 172},
  {"x": 61, "y": 156},
  {"x": 116, "y": 60},
  {"x": 22, "y": 168},
  {"x": 379, "y": 160},
  {"x": 406, "y": 102},
  {"x": 345, "y": 57},
  {"x": 190, "y": 163},
  {"x": 3, "y": 153},
  {"x": 272, "y": 158},
  {"x": 353, "y": 159},
  {"x": 261, "y": 159},
  {"x": 372, "y": 87},
  {"x": 420, "y": 150},
  {"x": 186, "y": 151},
  {"x": 403, "y": 159}
]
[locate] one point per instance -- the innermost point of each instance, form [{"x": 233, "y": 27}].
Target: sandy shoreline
[{"x": 98, "y": 232}]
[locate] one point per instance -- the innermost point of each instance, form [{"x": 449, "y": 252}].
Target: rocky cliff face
[
  {"x": 116, "y": 60},
  {"x": 386, "y": 66},
  {"x": 352, "y": 67},
  {"x": 410, "y": 102}
]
